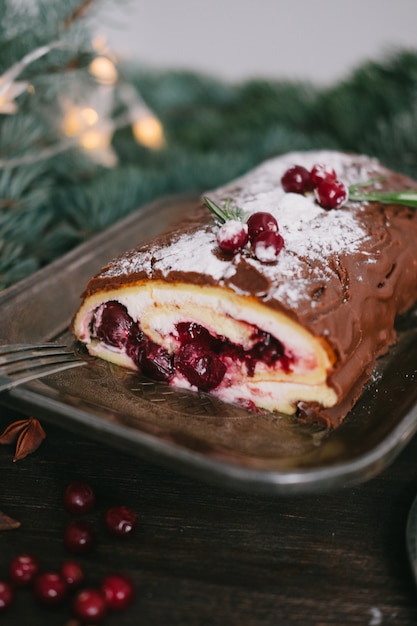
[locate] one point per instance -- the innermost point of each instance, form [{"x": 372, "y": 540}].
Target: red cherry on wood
[
  {"x": 90, "y": 606},
  {"x": 118, "y": 590},
  {"x": 79, "y": 498},
  {"x": 79, "y": 536},
  {"x": 73, "y": 573},
  {"x": 6, "y": 595},
  {"x": 120, "y": 521},
  {"x": 50, "y": 588},
  {"x": 22, "y": 569}
]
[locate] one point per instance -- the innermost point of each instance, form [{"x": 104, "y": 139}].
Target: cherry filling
[
  {"x": 201, "y": 367},
  {"x": 202, "y": 358},
  {"x": 113, "y": 325},
  {"x": 154, "y": 361}
]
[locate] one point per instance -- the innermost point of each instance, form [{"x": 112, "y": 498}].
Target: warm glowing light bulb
[
  {"x": 95, "y": 139},
  {"x": 104, "y": 70},
  {"x": 149, "y": 132},
  {"x": 77, "y": 119}
]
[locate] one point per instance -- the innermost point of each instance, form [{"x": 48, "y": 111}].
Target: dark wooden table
[{"x": 202, "y": 555}]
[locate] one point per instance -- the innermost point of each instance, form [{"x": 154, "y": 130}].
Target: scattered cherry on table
[
  {"x": 23, "y": 569},
  {"x": 6, "y": 595},
  {"x": 50, "y": 588},
  {"x": 118, "y": 591},
  {"x": 120, "y": 521},
  {"x": 79, "y": 498},
  {"x": 90, "y": 606},
  {"x": 73, "y": 573},
  {"x": 79, "y": 536}
]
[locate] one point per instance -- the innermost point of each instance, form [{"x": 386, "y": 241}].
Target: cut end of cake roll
[
  {"x": 210, "y": 339},
  {"x": 289, "y": 320}
]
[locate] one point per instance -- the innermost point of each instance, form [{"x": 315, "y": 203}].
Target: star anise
[
  {"x": 28, "y": 435},
  {"x": 7, "y": 522}
]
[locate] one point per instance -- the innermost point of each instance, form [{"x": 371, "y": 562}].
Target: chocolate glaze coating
[{"x": 346, "y": 289}]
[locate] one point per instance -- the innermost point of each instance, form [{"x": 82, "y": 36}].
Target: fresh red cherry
[
  {"x": 267, "y": 246},
  {"x": 90, "y": 606},
  {"x": 79, "y": 536},
  {"x": 120, "y": 521},
  {"x": 331, "y": 194},
  {"x": 296, "y": 180},
  {"x": 73, "y": 573},
  {"x": 232, "y": 236},
  {"x": 50, "y": 588},
  {"x": 23, "y": 568},
  {"x": 321, "y": 172},
  {"x": 260, "y": 222},
  {"x": 6, "y": 595},
  {"x": 118, "y": 591},
  {"x": 79, "y": 498}
]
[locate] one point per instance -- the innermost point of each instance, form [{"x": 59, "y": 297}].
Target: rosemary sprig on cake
[
  {"x": 237, "y": 229},
  {"x": 407, "y": 197},
  {"x": 225, "y": 213}
]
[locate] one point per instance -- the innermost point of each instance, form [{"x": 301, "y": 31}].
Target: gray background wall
[{"x": 318, "y": 40}]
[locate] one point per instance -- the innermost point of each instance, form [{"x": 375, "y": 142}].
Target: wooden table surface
[{"x": 202, "y": 555}]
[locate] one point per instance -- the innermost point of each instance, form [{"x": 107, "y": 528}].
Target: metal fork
[{"x": 20, "y": 363}]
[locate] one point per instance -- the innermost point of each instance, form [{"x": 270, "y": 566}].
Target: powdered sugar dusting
[{"x": 311, "y": 234}]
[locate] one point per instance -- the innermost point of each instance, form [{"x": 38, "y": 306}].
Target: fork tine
[
  {"x": 20, "y": 363},
  {"x": 26, "y": 352},
  {"x": 33, "y": 362},
  {"x": 18, "y": 347},
  {"x": 39, "y": 372}
]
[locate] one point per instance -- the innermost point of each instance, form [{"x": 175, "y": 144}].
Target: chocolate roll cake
[{"x": 279, "y": 292}]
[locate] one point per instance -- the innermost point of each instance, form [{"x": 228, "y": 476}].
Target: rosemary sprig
[
  {"x": 407, "y": 197},
  {"x": 226, "y": 212}
]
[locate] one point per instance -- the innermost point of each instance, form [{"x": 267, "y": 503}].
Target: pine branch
[{"x": 78, "y": 12}]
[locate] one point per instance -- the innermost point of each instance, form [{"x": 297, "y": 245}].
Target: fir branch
[{"x": 78, "y": 12}]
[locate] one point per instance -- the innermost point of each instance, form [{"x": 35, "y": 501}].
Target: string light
[
  {"x": 104, "y": 70},
  {"x": 148, "y": 131},
  {"x": 146, "y": 127},
  {"x": 88, "y": 122},
  {"x": 91, "y": 126}
]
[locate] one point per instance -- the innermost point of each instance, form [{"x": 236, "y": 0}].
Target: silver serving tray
[{"x": 193, "y": 432}]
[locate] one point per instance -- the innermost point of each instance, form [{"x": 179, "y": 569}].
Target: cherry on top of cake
[{"x": 312, "y": 236}]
